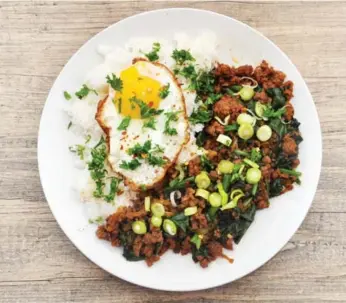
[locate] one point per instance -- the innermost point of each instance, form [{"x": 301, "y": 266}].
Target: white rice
[{"x": 203, "y": 48}]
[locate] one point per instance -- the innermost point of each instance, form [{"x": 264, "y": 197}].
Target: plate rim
[{"x": 143, "y": 283}]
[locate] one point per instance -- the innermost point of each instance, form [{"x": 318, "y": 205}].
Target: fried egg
[{"x": 157, "y": 123}]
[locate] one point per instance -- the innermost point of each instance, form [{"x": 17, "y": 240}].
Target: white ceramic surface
[{"x": 272, "y": 228}]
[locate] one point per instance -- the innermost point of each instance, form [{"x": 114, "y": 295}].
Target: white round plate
[{"x": 272, "y": 227}]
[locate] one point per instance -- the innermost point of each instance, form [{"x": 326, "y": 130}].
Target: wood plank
[{"x": 291, "y": 25}]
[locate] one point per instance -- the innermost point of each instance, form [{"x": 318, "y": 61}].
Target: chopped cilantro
[
  {"x": 97, "y": 220},
  {"x": 84, "y": 91},
  {"x": 255, "y": 155},
  {"x": 124, "y": 123},
  {"x": 203, "y": 83},
  {"x": 212, "y": 98},
  {"x": 97, "y": 168},
  {"x": 114, "y": 188},
  {"x": 164, "y": 91},
  {"x": 171, "y": 116},
  {"x": 140, "y": 150},
  {"x": 67, "y": 95},
  {"x": 158, "y": 149},
  {"x": 79, "y": 150},
  {"x": 146, "y": 111},
  {"x": 200, "y": 116},
  {"x": 116, "y": 83},
  {"x": 156, "y": 161},
  {"x": 182, "y": 55},
  {"x": 189, "y": 72},
  {"x": 130, "y": 165},
  {"x": 87, "y": 139},
  {"x": 150, "y": 123},
  {"x": 153, "y": 55}
]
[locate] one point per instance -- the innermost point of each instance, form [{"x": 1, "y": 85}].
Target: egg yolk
[{"x": 142, "y": 87}]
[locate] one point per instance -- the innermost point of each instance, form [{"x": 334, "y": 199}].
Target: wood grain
[{"x": 39, "y": 264}]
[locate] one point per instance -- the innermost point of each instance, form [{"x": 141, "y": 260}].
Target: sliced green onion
[
  {"x": 215, "y": 200},
  {"x": 225, "y": 122},
  {"x": 245, "y": 118},
  {"x": 245, "y": 131},
  {"x": 225, "y": 167},
  {"x": 224, "y": 196},
  {"x": 169, "y": 227},
  {"x": 251, "y": 163},
  {"x": 253, "y": 175},
  {"x": 225, "y": 140},
  {"x": 139, "y": 227},
  {"x": 202, "y": 180},
  {"x": 235, "y": 192},
  {"x": 158, "y": 209},
  {"x": 147, "y": 203},
  {"x": 264, "y": 133},
  {"x": 189, "y": 211},
  {"x": 255, "y": 83},
  {"x": 241, "y": 153},
  {"x": 259, "y": 110},
  {"x": 241, "y": 169},
  {"x": 291, "y": 172},
  {"x": 202, "y": 193},
  {"x": 156, "y": 221},
  {"x": 197, "y": 240},
  {"x": 233, "y": 203},
  {"x": 181, "y": 172},
  {"x": 246, "y": 93},
  {"x": 254, "y": 189}
]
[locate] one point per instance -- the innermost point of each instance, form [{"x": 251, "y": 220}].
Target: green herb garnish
[
  {"x": 115, "y": 82},
  {"x": 69, "y": 125},
  {"x": 180, "y": 56},
  {"x": 164, "y": 91},
  {"x": 171, "y": 116},
  {"x": 269, "y": 112},
  {"x": 79, "y": 150},
  {"x": 156, "y": 160},
  {"x": 146, "y": 111},
  {"x": 231, "y": 127},
  {"x": 130, "y": 165},
  {"x": 98, "y": 220},
  {"x": 140, "y": 150},
  {"x": 67, "y": 95},
  {"x": 201, "y": 116},
  {"x": 124, "y": 123},
  {"x": 150, "y": 123},
  {"x": 153, "y": 55},
  {"x": 114, "y": 188},
  {"x": 84, "y": 91}
]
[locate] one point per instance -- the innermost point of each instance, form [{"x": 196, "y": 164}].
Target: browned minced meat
[
  {"x": 215, "y": 249},
  {"x": 155, "y": 236},
  {"x": 289, "y": 111},
  {"x": 194, "y": 166},
  {"x": 214, "y": 128},
  {"x": 198, "y": 221},
  {"x": 244, "y": 71},
  {"x": 262, "y": 199},
  {"x": 268, "y": 77},
  {"x": 288, "y": 89},
  {"x": 262, "y": 97},
  {"x": 186, "y": 246},
  {"x": 289, "y": 145},
  {"x": 228, "y": 106},
  {"x": 189, "y": 199}
]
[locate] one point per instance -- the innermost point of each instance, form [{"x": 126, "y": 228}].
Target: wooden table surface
[{"x": 37, "y": 261}]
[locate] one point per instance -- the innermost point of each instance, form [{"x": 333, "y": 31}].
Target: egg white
[{"x": 119, "y": 141}]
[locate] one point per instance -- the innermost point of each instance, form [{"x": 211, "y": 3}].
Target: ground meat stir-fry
[{"x": 251, "y": 143}]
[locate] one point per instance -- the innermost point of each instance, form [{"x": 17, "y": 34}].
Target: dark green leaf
[
  {"x": 129, "y": 255},
  {"x": 279, "y": 127},
  {"x": 181, "y": 221},
  {"x": 231, "y": 127},
  {"x": 278, "y": 97}
]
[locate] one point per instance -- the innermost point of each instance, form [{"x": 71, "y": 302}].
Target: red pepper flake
[
  {"x": 120, "y": 192},
  {"x": 136, "y": 137},
  {"x": 121, "y": 147},
  {"x": 150, "y": 104},
  {"x": 124, "y": 133}
]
